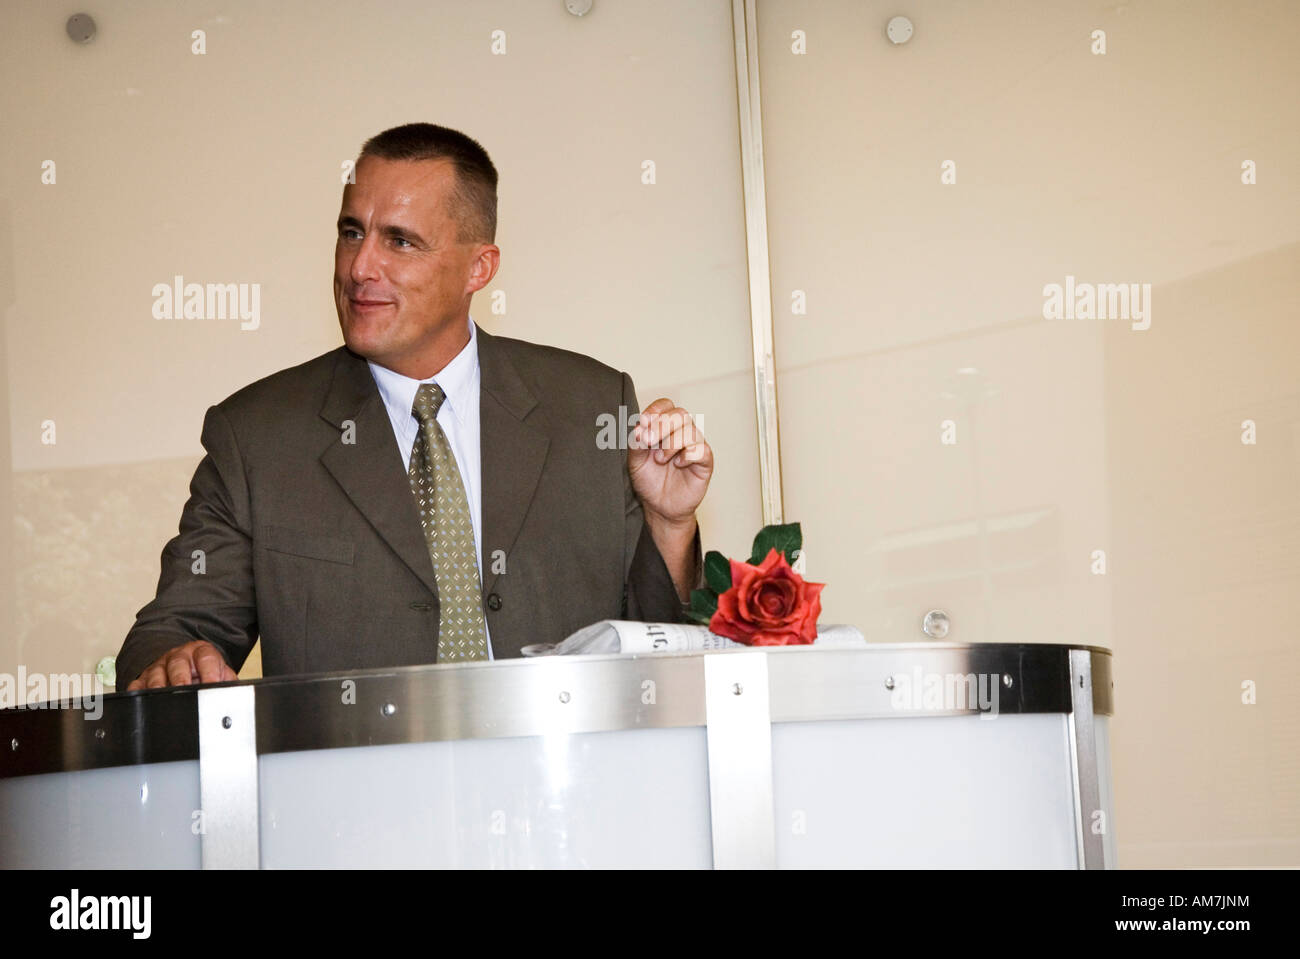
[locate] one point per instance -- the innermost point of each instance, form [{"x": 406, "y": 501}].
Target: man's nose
[{"x": 365, "y": 265}]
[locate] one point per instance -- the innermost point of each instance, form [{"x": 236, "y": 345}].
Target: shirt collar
[{"x": 457, "y": 379}]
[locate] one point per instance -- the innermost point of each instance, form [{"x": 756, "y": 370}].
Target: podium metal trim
[
  {"x": 558, "y": 696},
  {"x": 523, "y": 697}
]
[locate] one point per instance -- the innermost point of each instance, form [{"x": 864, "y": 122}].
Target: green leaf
[
  {"x": 786, "y": 540},
  {"x": 704, "y": 602},
  {"x": 699, "y": 619},
  {"x": 717, "y": 571}
]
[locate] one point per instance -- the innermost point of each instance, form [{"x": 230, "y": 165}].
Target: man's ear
[{"x": 483, "y": 267}]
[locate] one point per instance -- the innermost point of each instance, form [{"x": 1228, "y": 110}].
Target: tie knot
[{"x": 428, "y": 400}]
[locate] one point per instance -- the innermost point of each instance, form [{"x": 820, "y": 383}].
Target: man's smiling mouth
[{"x": 366, "y": 305}]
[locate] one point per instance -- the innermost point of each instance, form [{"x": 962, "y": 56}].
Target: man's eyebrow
[{"x": 387, "y": 229}]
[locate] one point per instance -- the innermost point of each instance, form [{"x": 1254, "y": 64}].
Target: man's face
[{"x": 402, "y": 281}]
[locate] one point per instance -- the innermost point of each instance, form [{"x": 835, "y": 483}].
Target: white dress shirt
[{"x": 459, "y": 419}]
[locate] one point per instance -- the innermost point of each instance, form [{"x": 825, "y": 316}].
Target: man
[{"x": 428, "y": 492}]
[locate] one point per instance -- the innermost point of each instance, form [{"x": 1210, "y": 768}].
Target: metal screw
[
  {"x": 889, "y": 682},
  {"x": 737, "y": 689},
  {"x": 226, "y": 722},
  {"x": 388, "y": 709},
  {"x": 13, "y": 745},
  {"x": 1007, "y": 680},
  {"x": 99, "y": 734},
  {"x": 564, "y": 696}
]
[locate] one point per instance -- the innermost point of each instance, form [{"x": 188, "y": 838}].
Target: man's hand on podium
[{"x": 197, "y": 661}]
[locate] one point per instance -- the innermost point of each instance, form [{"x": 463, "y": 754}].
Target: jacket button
[{"x": 494, "y": 601}]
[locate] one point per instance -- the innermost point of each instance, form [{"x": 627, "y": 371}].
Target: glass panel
[
  {"x": 642, "y": 795},
  {"x": 137, "y": 817},
  {"x": 924, "y": 792},
  {"x": 1036, "y": 343}
]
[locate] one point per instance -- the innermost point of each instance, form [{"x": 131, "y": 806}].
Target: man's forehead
[{"x": 417, "y": 185}]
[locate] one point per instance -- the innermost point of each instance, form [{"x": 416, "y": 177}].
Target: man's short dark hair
[{"x": 474, "y": 198}]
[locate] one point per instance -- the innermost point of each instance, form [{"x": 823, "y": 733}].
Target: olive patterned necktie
[{"x": 448, "y": 532}]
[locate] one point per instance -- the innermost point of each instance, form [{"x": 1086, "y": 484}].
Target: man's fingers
[
  {"x": 671, "y": 428},
  {"x": 211, "y": 665},
  {"x": 655, "y": 412},
  {"x": 682, "y": 434},
  {"x": 695, "y": 453},
  {"x": 179, "y": 668},
  {"x": 197, "y": 661},
  {"x": 661, "y": 405},
  {"x": 684, "y": 456}
]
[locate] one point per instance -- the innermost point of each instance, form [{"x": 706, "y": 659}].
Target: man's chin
[
  {"x": 361, "y": 345},
  {"x": 364, "y": 348},
  {"x": 359, "y": 339}
]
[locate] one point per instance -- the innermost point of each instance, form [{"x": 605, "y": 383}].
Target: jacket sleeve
[
  {"x": 205, "y": 590},
  {"x": 649, "y": 595}
]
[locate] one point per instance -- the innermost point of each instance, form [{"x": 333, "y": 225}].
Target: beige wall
[
  {"x": 924, "y": 304},
  {"x": 226, "y": 167}
]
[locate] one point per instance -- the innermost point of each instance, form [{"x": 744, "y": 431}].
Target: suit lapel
[
  {"x": 512, "y": 455},
  {"x": 512, "y": 451},
  {"x": 369, "y": 469}
]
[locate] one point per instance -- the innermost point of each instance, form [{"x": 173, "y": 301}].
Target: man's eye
[
  {"x": 347, "y": 232},
  {"x": 401, "y": 239}
]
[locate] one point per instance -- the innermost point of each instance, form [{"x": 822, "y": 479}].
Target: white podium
[{"x": 910, "y": 755}]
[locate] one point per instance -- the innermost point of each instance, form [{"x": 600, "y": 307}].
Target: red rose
[{"x": 768, "y": 605}]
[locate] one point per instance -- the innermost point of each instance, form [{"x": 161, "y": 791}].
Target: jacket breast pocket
[{"x": 295, "y": 542}]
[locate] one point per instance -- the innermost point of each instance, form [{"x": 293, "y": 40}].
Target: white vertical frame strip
[
  {"x": 744, "y": 21},
  {"x": 1083, "y": 765},
  {"x": 738, "y": 715},
  {"x": 228, "y": 793}
]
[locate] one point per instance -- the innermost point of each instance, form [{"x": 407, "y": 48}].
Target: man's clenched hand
[
  {"x": 670, "y": 463},
  {"x": 197, "y": 661}
]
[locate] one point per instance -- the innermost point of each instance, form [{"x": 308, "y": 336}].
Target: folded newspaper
[{"x": 620, "y": 636}]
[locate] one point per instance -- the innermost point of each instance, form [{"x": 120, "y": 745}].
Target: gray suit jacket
[{"x": 293, "y": 533}]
